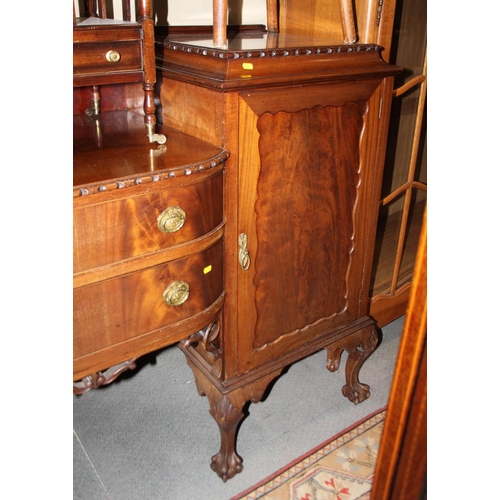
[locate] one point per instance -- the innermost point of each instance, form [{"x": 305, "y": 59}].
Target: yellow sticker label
[
  {"x": 247, "y": 65},
  {"x": 207, "y": 269}
]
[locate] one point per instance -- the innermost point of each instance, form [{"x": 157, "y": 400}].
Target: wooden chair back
[
  {"x": 220, "y": 16},
  {"x": 97, "y": 8}
]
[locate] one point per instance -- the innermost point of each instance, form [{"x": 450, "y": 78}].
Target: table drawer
[
  {"x": 108, "y": 57},
  {"x": 137, "y": 225},
  {"x": 116, "y": 310}
]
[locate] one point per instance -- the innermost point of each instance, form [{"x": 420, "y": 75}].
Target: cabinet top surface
[
  {"x": 112, "y": 151},
  {"x": 258, "y": 59},
  {"x": 263, "y": 43}
]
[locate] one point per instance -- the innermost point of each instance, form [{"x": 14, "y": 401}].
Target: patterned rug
[{"x": 342, "y": 468}]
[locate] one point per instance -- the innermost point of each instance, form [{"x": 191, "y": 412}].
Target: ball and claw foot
[
  {"x": 226, "y": 467},
  {"x": 356, "y": 394}
]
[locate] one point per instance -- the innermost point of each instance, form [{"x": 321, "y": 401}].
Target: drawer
[
  {"x": 120, "y": 309},
  {"x": 137, "y": 225},
  {"x": 108, "y": 57}
]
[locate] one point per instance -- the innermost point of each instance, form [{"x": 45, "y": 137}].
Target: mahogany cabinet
[
  {"x": 305, "y": 120},
  {"x": 148, "y": 229},
  {"x": 249, "y": 237}
]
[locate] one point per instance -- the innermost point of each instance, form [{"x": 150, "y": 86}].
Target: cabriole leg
[
  {"x": 227, "y": 411},
  {"x": 359, "y": 347}
]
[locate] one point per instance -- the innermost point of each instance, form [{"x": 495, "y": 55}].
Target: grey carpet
[{"x": 149, "y": 436}]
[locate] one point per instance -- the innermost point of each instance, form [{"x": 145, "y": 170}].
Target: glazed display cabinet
[{"x": 404, "y": 188}]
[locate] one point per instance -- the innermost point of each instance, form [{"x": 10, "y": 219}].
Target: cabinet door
[{"x": 307, "y": 175}]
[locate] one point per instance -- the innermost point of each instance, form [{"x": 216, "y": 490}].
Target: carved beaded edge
[
  {"x": 150, "y": 178},
  {"x": 299, "y": 51}
]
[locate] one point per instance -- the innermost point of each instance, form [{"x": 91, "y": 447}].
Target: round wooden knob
[
  {"x": 113, "y": 56},
  {"x": 176, "y": 293},
  {"x": 171, "y": 219}
]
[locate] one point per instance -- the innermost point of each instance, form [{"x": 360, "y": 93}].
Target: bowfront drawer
[
  {"x": 114, "y": 311},
  {"x": 108, "y": 57},
  {"x": 134, "y": 226}
]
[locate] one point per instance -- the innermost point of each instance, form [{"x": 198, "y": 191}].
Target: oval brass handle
[
  {"x": 171, "y": 219},
  {"x": 176, "y": 293},
  {"x": 113, "y": 56}
]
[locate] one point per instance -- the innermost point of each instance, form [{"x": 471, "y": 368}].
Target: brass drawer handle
[
  {"x": 176, "y": 293},
  {"x": 171, "y": 219},
  {"x": 113, "y": 56}
]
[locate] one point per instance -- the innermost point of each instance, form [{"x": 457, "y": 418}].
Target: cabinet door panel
[
  {"x": 306, "y": 193},
  {"x": 299, "y": 198}
]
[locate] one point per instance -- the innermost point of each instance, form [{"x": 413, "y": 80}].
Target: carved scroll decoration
[
  {"x": 206, "y": 343},
  {"x": 105, "y": 377}
]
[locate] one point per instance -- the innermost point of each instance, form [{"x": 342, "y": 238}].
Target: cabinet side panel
[
  {"x": 194, "y": 110},
  {"x": 306, "y": 198}
]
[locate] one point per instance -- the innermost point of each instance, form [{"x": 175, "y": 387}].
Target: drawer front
[
  {"x": 109, "y": 57},
  {"x": 123, "y": 308},
  {"x": 134, "y": 226}
]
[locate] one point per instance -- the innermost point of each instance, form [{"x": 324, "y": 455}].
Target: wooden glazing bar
[
  {"x": 407, "y": 86},
  {"x": 411, "y": 175}
]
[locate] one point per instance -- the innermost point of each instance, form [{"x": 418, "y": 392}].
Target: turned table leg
[
  {"x": 149, "y": 115},
  {"x": 359, "y": 347},
  {"x": 145, "y": 18}
]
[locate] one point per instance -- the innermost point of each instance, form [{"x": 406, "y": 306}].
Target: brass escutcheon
[
  {"x": 113, "y": 56},
  {"x": 176, "y": 293},
  {"x": 243, "y": 256},
  {"x": 171, "y": 219}
]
